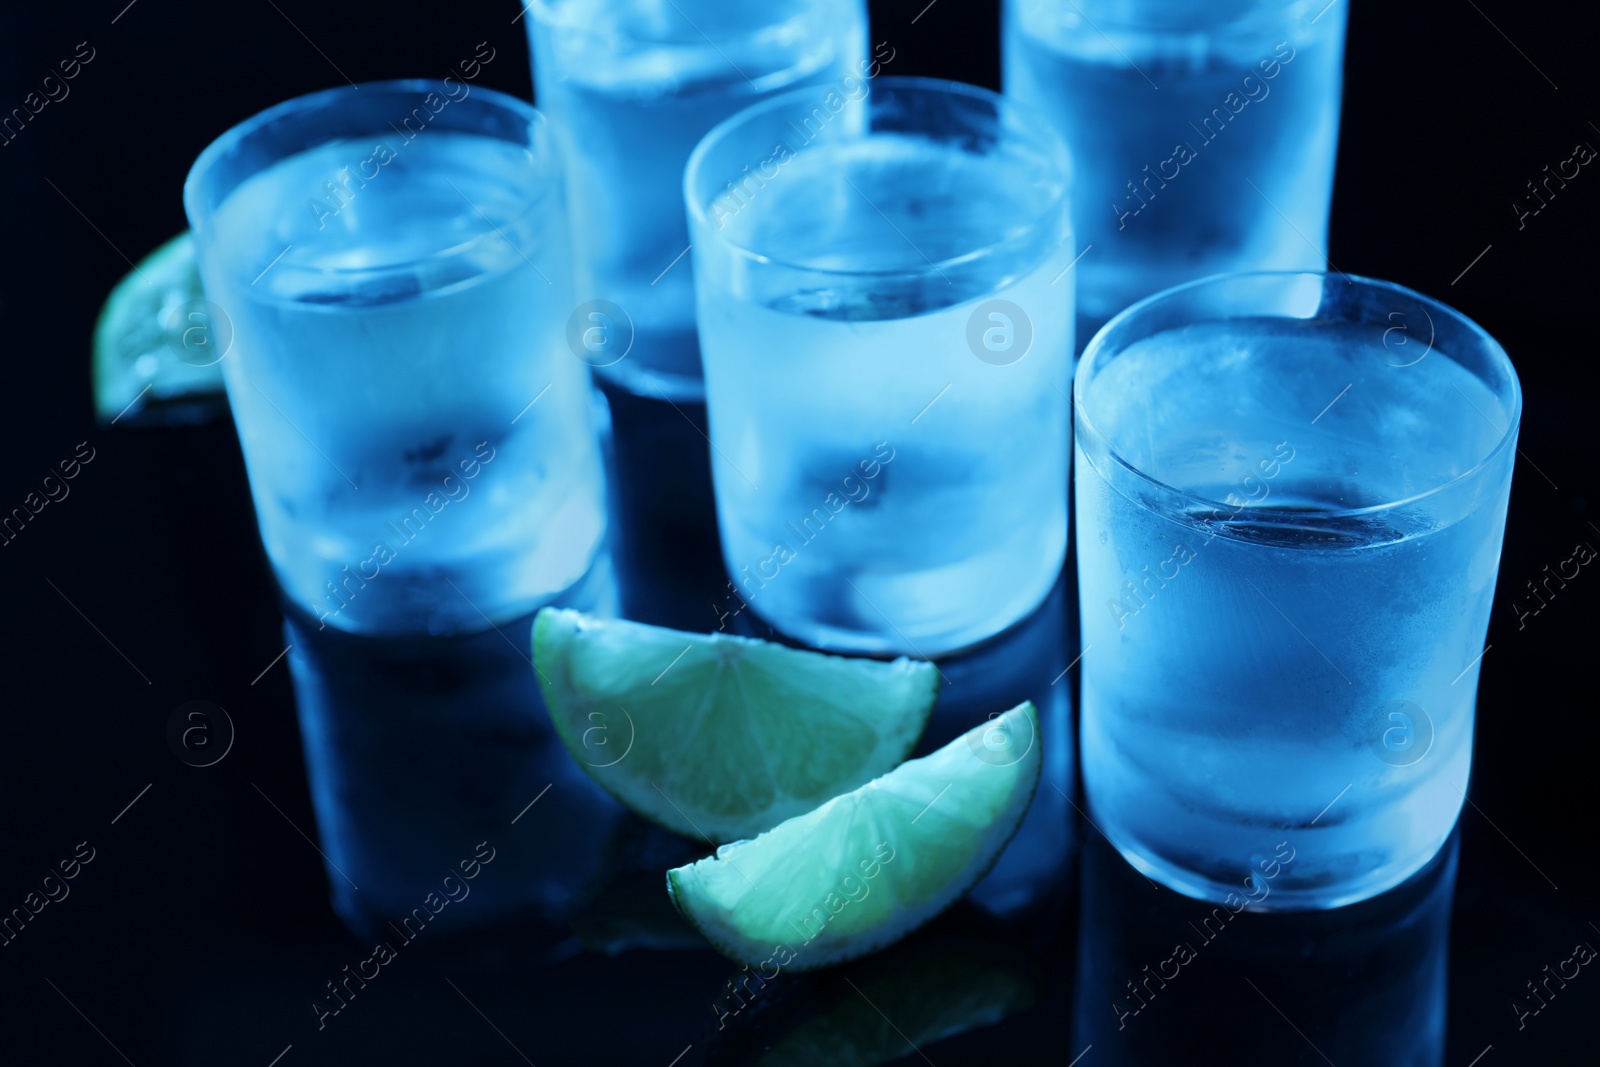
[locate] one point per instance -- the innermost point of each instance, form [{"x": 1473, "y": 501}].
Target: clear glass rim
[
  {"x": 1511, "y": 394},
  {"x": 208, "y": 159},
  {"x": 1041, "y": 132}
]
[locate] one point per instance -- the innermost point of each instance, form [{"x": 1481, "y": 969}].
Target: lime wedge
[
  {"x": 868, "y": 867},
  {"x": 144, "y": 371},
  {"x": 720, "y": 737}
]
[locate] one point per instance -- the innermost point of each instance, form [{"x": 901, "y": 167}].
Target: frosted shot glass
[
  {"x": 390, "y": 267},
  {"x": 1202, "y": 136},
  {"x": 1291, "y": 494},
  {"x": 630, "y": 88},
  {"x": 887, "y": 354}
]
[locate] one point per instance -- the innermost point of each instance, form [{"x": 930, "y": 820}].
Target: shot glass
[
  {"x": 1291, "y": 493},
  {"x": 887, "y": 356},
  {"x": 390, "y": 270},
  {"x": 630, "y": 88},
  {"x": 1202, "y": 136}
]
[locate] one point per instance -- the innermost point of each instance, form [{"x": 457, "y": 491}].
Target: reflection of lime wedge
[
  {"x": 630, "y": 913},
  {"x": 622, "y": 908},
  {"x": 867, "y": 868},
  {"x": 722, "y": 737},
  {"x": 134, "y": 363},
  {"x": 930, "y": 990}
]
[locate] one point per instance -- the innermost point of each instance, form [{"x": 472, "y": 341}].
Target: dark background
[{"x": 202, "y": 926}]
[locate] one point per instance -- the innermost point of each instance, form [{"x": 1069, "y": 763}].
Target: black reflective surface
[
  {"x": 1160, "y": 975},
  {"x": 200, "y": 924}
]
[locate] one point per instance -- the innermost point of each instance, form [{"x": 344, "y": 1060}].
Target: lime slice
[
  {"x": 720, "y": 737},
  {"x": 143, "y": 370},
  {"x": 867, "y": 868}
]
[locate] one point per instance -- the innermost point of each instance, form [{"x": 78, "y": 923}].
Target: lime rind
[
  {"x": 719, "y": 737},
  {"x": 910, "y": 842}
]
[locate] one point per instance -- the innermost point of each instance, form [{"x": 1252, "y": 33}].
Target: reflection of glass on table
[
  {"x": 424, "y": 752},
  {"x": 1161, "y": 977}
]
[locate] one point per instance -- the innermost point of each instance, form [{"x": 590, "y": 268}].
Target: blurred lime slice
[
  {"x": 868, "y": 867},
  {"x": 158, "y": 344},
  {"x": 720, "y": 737}
]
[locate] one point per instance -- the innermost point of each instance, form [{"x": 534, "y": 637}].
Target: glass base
[
  {"x": 908, "y": 640},
  {"x": 1283, "y": 892},
  {"x": 660, "y": 368}
]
